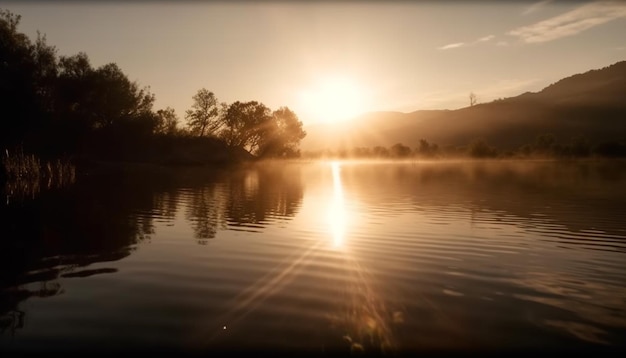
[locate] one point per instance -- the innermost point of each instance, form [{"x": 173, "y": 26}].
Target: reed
[
  {"x": 18, "y": 165},
  {"x": 24, "y": 175}
]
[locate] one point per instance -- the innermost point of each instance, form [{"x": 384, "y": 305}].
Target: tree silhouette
[
  {"x": 545, "y": 144},
  {"x": 117, "y": 98},
  {"x": 204, "y": 117},
  {"x": 46, "y": 72},
  {"x": 286, "y": 136},
  {"x": 18, "y": 95},
  {"x": 472, "y": 98},
  {"x": 166, "y": 121},
  {"x": 64, "y": 107},
  {"x": 478, "y": 148},
  {"x": 400, "y": 150},
  {"x": 426, "y": 149},
  {"x": 248, "y": 125},
  {"x": 380, "y": 152}
]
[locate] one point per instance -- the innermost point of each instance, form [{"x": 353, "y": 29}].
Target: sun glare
[
  {"x": 337, "y": 211},
  {"x": 333, "y": 99}
]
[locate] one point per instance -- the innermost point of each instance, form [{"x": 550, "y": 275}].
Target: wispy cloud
[
  {"x": 486, "y": 38},
  {"x": 454, "y": 45},
  {"x": 572, "y": 22},
  {"x": 536, "y": 6},
  {"x": 465, "y": 44},
  {"x": 502, "y": 43}
]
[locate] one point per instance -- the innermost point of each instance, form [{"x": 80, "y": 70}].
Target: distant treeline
[
  {"x": 57, "y": 107},
  {"x": 544, "y": 146}
]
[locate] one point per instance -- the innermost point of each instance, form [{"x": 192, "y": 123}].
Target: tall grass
[
  {"x": 24, "y": 175},
  {"x": 18, "y": 165}
]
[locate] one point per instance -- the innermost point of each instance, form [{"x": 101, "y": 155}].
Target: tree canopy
[
  {"x": 286, "y": 140},
  {"x": 249, "y": 125},
  {"x": 203, "y": 117},
  {"x": 254, "y": 127},
  {"x": 167, "y": 121},
  {"x": 61, "y": 105}
]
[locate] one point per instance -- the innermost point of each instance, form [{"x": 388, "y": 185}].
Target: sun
[{"x": 333, "y": 99}]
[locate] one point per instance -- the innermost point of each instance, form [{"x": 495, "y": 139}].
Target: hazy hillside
[{"x": 592, "y": 104}]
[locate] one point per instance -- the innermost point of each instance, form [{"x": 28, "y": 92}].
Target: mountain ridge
[{"x": 590, "y": 104}]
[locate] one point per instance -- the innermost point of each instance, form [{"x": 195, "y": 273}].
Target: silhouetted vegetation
[
  {"x": 611, "y": 149},
  {"x": 24, "y": 175},
  {"x": 62, "y": 107},
  {"x": 203, "y": 118},
  {"x": 472, "y": 98},
  {"x": 400, "y": 150},
  {"x": 544, "y": 146},
  {"x": 249, "y": 125}
]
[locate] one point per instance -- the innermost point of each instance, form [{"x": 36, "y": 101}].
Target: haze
[{"x": 330, "y": 61}]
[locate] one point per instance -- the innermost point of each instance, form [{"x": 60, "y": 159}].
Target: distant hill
[{"x": 592, "y": 104}]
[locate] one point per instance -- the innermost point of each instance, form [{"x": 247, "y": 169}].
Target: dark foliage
[{"x": 62, "y": 107}]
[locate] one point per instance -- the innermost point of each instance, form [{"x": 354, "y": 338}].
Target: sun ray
[{"x": 252, "y": 297}]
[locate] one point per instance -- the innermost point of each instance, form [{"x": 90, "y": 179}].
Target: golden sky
[{"x": 330, "y": 61}]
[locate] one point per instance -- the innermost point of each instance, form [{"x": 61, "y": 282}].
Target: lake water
[{"x": 320, "y": 257}]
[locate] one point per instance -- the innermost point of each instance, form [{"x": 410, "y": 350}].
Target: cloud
[
  {"x": 464, "y": 44},
  {"x": 502, "y": 43},
  {"x": 454, "y": 45},
  {"x": 536, "y": 6},
  {"x": 572, "y": 22},
  {"x": 486, "y": 38}
]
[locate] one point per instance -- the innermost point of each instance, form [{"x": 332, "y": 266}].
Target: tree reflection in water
[
  {"x": 358, "y": 282},
  {"x": 246, "y": 199},
  {"x": 54, "y": 235}
]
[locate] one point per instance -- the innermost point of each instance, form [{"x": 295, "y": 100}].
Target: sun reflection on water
[
  {"x": 360, "y": 317},
  {"x": 363, "y": 318},
  {"x": 337, "y": 215}
]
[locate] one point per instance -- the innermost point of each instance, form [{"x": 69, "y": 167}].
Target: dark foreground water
[{"x": 320, "y": 257}]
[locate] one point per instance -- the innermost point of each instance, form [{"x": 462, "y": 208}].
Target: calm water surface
[{"x": 320, "y": 257}]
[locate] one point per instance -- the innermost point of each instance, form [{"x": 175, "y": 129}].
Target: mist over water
[{"x": 321, "y": 256}]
